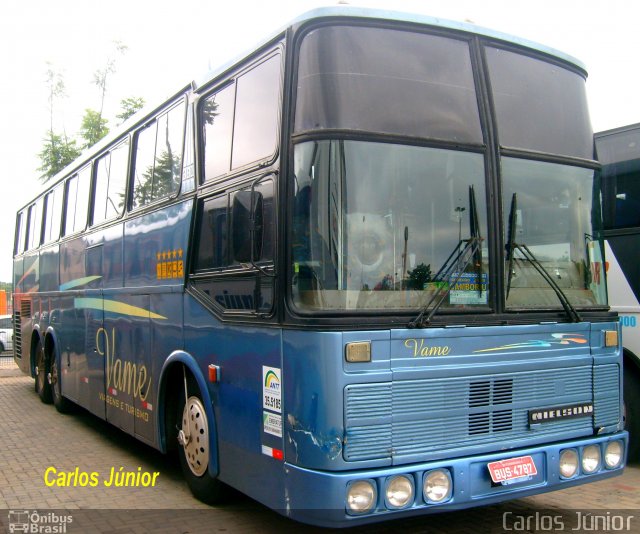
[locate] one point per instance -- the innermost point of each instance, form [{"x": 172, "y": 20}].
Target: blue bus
[
  {"x": 618, "y": 151},
  {"x": 357, "y": 274}
]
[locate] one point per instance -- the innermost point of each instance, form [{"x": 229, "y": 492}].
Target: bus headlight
[
  {"x": 399, "y": 491},
  {"x": 591, "y": 459},
  {"x": 437, "y": 485},
  {"x": 568, "y": 463},
  {"x": 613, "y": 453},
  {"x": 361, "y": 496}
]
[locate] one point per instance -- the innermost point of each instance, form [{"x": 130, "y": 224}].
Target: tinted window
[
  {"x": 53, "y": 213},
  {"x": 82, "y": 199},
  {"x": 352, "y": 78},
  {"x": 214, "y": 243},
  {"x": 539, "y": 106},
  {"x": 20, "y": 224},
  {"x": 110, "y": 186},
  {"x": 212, "y": 248},
  {"x": 158, "y": 160},
  {"x": 70, "y": 211},
  {"x": 217, "y": 121},
  {"x": 256, "y": 117},
  {"x": 620, "y": 157},
  {"x": 35, "y": 225},
  {"x": 76, "y": 203}
]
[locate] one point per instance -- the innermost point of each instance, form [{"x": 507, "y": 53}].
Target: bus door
[
  {"x": 90, "y": 368},
  {"x": 126, "y": 348}
]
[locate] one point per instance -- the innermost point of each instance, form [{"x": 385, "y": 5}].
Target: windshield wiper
[
  {"x": 512, "y": 246},
  {"x": 460, "y": 258}
]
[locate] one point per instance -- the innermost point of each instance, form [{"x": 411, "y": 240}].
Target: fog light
[
  {"x": 437, "y": 486},
  {"x": 591, "y": 459},
  {"x": 613, "y": 453},
  {"x": 361, "y": 496},
  {"x": 399, "y": 491},
  {"x": 568, "y": 463}
]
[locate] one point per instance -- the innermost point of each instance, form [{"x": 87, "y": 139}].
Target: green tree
[
  {"x": 58, "y": 150},
  {"x": 93, "y": 128},
  {"x": 129, "y": 106},
  {"x": 419, "y": 276},
  {"x": 56, "y": 154}
]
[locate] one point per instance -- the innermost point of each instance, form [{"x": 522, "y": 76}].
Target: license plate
[{"x": 512, "y": 469}]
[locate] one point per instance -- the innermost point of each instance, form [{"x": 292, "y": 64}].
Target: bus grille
[
  {"x": 606, "y": 384},
  {"x": 409, "y": 418}
]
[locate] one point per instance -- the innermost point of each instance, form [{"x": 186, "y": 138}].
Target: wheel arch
[
  {"x": 171, "y": 383},
  {"x": 35, "y": 337}
]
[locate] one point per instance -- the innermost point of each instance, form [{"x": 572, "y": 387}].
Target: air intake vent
[
  {"x": 17, "y": 334},
  {"x": 488, "y": 394}
]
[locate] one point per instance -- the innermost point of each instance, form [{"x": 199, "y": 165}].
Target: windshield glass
[
  {"x": 375, "y": 223},
  {"x": 555, "y": 217}
]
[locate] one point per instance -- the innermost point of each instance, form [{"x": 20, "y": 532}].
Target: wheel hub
[{"x": 194, "y": 436}]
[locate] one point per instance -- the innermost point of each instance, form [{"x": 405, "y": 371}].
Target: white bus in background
[{"x": 619, "y": 152}]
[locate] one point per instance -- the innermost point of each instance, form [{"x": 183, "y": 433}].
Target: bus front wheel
[
  {"x": 43, "y": 387},
  {"x": 632, "y": 412},
  {"x": 193, "y": 449}
]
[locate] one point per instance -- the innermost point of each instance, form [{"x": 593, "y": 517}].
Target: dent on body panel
[{"x": 314, "y": 431}]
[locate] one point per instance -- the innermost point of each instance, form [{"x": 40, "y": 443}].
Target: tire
[
  {"x": 193, "y": 447},
  {"x": 61, "y": 404},
  {"x": 632, "y": 413},
  {"x": 42, "y": 369}
]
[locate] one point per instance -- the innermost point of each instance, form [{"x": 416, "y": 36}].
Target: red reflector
[
  {"x": 278, "y": 454},
  {"x": 213, "y": 373}
]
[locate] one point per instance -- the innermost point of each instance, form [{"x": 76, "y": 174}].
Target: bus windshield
[
  {"x": 390, "y": 178},
  {"x": 375, "y": 223}
]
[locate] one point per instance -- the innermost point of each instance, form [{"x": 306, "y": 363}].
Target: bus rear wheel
[
  {"x": 193, "y": 449},
  {"x": 632, "y": 412},
  {"x": 42, "y": 369},
  {"x": 61, "y": 404}
]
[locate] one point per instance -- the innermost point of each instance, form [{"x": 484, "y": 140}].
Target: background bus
[
  {"x": 619, "y": 152},
  {"x": 346, "y": 274}
]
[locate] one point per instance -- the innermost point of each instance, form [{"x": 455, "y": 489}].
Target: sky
[{"x": 171, "y": 43}]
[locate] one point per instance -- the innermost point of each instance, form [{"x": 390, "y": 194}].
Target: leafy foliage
[
  {"x": 56, "y": 154},
  {"x": 93, "y": 127},
  {"x": 419, "y": 276},
  {"x": 129, "y": 106}
]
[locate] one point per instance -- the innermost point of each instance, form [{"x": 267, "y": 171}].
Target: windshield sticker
[
  {"x": 468, "y": 288},
  {"x": 558, "y": 339}
]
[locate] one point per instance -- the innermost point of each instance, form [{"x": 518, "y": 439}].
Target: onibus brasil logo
[{"x": 37, "y": 522}]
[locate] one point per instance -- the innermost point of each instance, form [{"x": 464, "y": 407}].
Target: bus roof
[
  {"x": 314, "y": 14},
  {"x": 352, "y": 11}
]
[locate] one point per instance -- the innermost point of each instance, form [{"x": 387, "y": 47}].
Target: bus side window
[
  {"x": 20, "y": 224},
  {"x": 110, "y": 184},
  {"x": 255, "y": 131},
  {"x": 70, "y": 204},
  {"x": 216, "y": 114},
  {"x": 158, "y": 158},
  {"x": 212, "y": 237},
  {"x": 53, "y": 212},
  {"x": 35, "y": 225},
  {"x": 82, "y": 199}
]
